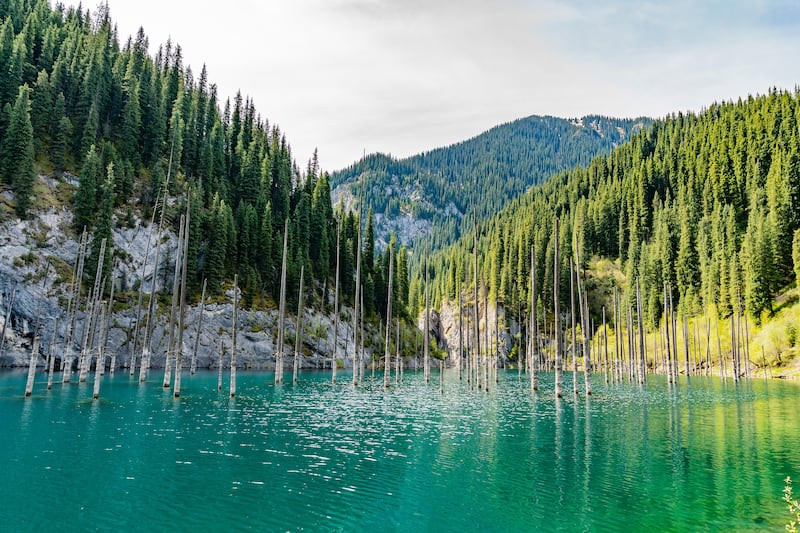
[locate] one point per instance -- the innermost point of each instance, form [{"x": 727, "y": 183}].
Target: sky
[{"x": 406, "y": 76}]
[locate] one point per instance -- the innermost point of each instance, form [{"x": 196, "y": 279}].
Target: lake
[{"x": 705, "y": 455}]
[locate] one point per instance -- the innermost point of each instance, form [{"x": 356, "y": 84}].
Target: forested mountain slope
[
  {"x": 80, "y": 106},
  {"x": 436, "y": 189},
  {"x": 707, "y": 203}
]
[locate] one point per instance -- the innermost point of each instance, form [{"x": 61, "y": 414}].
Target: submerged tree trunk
[
  {"x": 176, "y": 277},
  {"x": 336, "y": 306},
  {"x": 92, "y": 311},
  {"x": 586, "y": 328},
  {"x": 135, "y": 336},
  {"x": 426, "y": 361},
  {"x": 233, "y": 342},
  {"x": 298, "y": 342},
  {"x": 100, "y": 363},
  {"x": 219, "y": 366},
  {"x": 147, "y": 344},
  {"x": 52, "y": 355},
  {"x": 605, "y": 340},
  {"x": 282, "y": 310},
  {"x": 182, "y": 308},
  {"x": 193, "y": 366},
  {"x": 642, "y": 349},
  {"x": 532, "y": 332},
  {"x": 572, "y": 273},
  {"x": 387, "y": 362},
  {"x": 556, "y": 325},
  {"x": 32, "y": 366},
  {"x": 8, "y": 317},
  {"x": 476, "y": 348}
]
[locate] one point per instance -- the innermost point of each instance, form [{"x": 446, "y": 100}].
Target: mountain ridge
[{"x": 437, "y": 188}]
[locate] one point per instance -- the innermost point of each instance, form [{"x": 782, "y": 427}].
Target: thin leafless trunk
[
  {"x": 176, "y": 277},
  {"x": 532, "y": 332},
  {"x": 182, "y": 307},
  {"x": 8, "y": 317},
  {"x": 233, "y": 342},
  {"x": 52, "y": 355},
  {"x": 387, "y": 362},
  {"x": 32, "y": 366},
  {"x": 193, "y": 366},
  {"x": 281, "y": 309},
  {"x": 426, "y": 361},
  {"x": 298, "y": 338},
  {"x": 557, "y": 322},
  {"x": 336, "y": 306},
  {"x": 572, "y": 272},
  {"x": 135, "y": 336},
  {"x": 642, "y": 348}
]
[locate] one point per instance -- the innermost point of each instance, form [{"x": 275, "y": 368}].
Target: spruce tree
[
  {"x": 17, "y": 152},
  {"x": 103, "y": 228},
  {"x": 86, "y": 194}
]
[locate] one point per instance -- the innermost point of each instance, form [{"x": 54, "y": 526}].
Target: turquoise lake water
[{"x": 704, "y": 456}]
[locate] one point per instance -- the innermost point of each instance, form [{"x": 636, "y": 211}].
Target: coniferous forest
[
  {"x": 77, "y": 102},
  {"x": 449, "y": 186},
  {"x": 705, "y": 203},
  {"x": 512, "y": 355}
]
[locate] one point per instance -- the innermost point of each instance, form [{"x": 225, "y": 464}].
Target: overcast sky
[{"x": 404, "y": 76}]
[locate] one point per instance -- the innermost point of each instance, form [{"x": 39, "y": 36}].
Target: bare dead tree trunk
[
  {"x": 32, "y": 366},
  {"x": 387, "y": 363},
  {"x": 460, "y": 332},
  {"x": 233, "y": 342},
  {"x": 282, "y": 309},
  {"x": 91, "y": 311},
  {"x": 398, "y": 364},
  {"x": 336, "y": 306},
  {"x": 219, "y": 366},
  {"x": 586, "y": 327},
  {"x": 135, "y": 337},
  {"x": 298, "y": 338},
  {"x": 426, "y": 361},
  {"x": 52, "y": 355},
  {"x": 193, "y": 367},
  {"x": 605, "y": 339},
  {"x": 147, "y": 345},
  {"x": 671, "y": 378},
  {"x": 8, "y": 317},
  {"x": 182, "y": 307},
  {"x": 106, "y": 326},
  {"x": 174, "y": 308},
  {"x": 361, "y": 336},
  {"x": 477, "y": 346},
  {"x": 533, "y": 333},
  {"x": 719, "y": 353},
  {"x": 572, "y": 272},
  {"x": 557, "y": 324},
  {"x": 642, "y": 348},
  {"x": 98, "y": 367},
  {"x": 357, "y": 300}
]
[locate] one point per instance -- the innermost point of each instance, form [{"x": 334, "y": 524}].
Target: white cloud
[{"x": 404, "y": 76}]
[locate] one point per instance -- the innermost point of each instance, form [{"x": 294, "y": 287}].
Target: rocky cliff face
[
  {"x": 36, "y": 262},
  {"x": 444, "y": 328}
]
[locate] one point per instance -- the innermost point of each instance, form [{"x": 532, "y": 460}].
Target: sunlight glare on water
[{"x": 314, "y": 456}]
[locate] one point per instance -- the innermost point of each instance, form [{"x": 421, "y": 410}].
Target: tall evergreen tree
[
  {"x": 86, "y": 195},
  {"x": 17, "y": 152}
]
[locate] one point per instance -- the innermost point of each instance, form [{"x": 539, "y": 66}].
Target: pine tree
[
  {"x": 86, "y": 195},
  {"x": 41, "y": 110},
  {"x": 103, "y": 228},
  {"x": 17, "y": 152}
]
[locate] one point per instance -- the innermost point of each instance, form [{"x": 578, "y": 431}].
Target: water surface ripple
[{"x": 314, "y": 456}]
